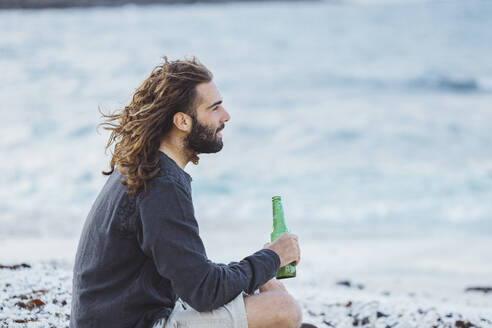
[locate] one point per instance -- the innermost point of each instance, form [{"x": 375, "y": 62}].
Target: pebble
[{"x": 39, "y": 295}]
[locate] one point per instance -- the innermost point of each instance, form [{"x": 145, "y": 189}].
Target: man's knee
[
  {"x": 273, "y": 309},
  {"x": 289, "y": 310}
]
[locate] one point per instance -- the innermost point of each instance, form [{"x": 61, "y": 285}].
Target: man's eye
[{"x": 215, "y": 108}]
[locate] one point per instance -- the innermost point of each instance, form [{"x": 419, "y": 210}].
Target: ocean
[
  {"x": 367, "y": 117},
  {"x": 371, "y": 118}
]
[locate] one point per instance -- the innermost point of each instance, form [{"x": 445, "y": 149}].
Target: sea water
[{"x": 362, "y": 115}]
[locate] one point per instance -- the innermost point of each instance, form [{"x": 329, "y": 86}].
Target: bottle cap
[{"x": 276, "y": 198}]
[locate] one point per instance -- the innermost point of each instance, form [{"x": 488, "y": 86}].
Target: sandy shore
[
  {"x": 35, "y": 295},
  {"x": 342, "y": 281},
  {"x": 39, "y": 295}
]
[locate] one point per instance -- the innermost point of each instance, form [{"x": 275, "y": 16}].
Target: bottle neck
[{"x": 278, "y": 217}]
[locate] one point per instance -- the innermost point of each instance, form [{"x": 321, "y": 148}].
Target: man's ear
[{"x": 182, "y": 121}]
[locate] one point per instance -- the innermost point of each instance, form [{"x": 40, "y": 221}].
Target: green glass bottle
[{"x": 279, "y": 227}]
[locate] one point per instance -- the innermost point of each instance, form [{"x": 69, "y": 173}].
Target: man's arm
[{"x": 168, "y": 233}]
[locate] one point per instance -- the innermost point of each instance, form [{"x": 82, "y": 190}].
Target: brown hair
[{"x": 137, "y": 130}]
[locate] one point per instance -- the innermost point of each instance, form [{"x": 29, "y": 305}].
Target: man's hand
[{"x": 287, "y": 248}]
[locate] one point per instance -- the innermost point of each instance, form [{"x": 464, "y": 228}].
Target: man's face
[{"x": 208, "y": 120}]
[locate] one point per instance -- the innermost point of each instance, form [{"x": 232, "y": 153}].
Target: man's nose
[{"x": 226, "y": 116}]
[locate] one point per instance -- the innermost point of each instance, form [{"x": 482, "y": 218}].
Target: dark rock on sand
[
  {"x": 365, "y": 321},
  {"x": 328, "y": 323},
  {"x": 307, "y": 325},
  {"x": 485, "y": 290},
  {"x": 311, "y": 313},
  {"x": 463, "y": 324},
  {"x": 348, "y": 283},
  {"x": 31, "y": 305},
  {"x": 395, "y": 324},
  {"x": 486, "y": 320},
  {"x": 345, "y": 283},
  {"x": 16, "y": 266}
]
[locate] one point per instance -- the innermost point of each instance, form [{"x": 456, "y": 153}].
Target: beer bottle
[{"x": 279, "y": 227}]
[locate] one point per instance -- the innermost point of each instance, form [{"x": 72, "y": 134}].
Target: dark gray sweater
[{"x": 138, "y": 253}]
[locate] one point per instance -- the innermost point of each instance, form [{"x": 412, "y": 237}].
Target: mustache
[{"x": 220, "y": 128}]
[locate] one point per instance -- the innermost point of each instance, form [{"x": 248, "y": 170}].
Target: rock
[
  {"x": 32, "y": 304},
  {"x": 35, "y": 303},
  {"x": 463, "y": 324},
  {"x": 381, "y": 315},
  {"x": 486, "y": 320},
  {"x": 485, "y": 290},
  {"x": 348, "y": 283},
  {"x": 15, "y": 267},
  {"x": 328, "y": 323},
  {"x": 345, "y": 283}
]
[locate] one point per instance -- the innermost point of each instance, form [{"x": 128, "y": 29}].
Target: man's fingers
[
  {"x": 298, "y": 252},
  {"x": 295, "y": 240},
  {"x": 298, "y": 256},
  {"x": 287, "y": 247}
]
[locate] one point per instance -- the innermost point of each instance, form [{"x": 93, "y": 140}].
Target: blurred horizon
[{"x": 81, "y": 4}]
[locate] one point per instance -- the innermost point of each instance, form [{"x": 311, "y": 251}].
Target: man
[{"x": 140, "y": 260}]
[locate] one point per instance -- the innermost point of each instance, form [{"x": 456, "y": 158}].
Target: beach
[
  {"x": 370, "y": 282},
  {"x": 371, "y": 119}
]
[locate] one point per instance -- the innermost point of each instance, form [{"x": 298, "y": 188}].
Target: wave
[
  {"x": 447, "y": 83},
  {"x": 376, "y": 2},
  {"x": 423, "y": 83}
]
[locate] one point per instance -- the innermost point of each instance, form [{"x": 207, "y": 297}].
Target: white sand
[{"x": 394, "y": 282}]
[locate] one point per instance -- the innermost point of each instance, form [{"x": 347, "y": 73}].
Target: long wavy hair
[{"x": 137, "y": 130}]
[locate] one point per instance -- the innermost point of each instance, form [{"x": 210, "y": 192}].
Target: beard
[{"x": 203, "y": 138}]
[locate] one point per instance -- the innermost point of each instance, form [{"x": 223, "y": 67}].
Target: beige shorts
[{"x": 231, "y": 315}]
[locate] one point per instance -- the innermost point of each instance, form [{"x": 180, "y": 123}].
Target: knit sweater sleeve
[{"x": 169, "y": 234}]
